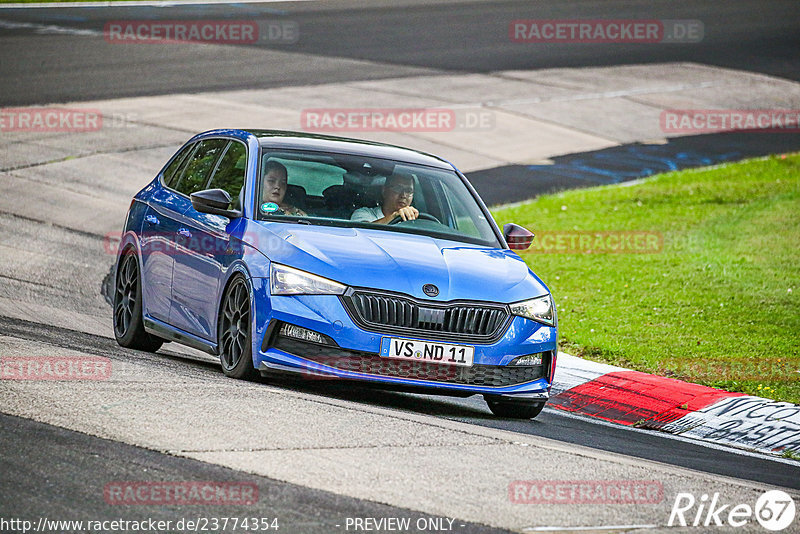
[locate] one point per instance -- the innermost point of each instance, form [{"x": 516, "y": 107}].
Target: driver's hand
[{"x": 409, "y": 213}]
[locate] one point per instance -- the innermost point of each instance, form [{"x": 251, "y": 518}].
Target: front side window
[
  {"x": 358, "y": 191},
  {"x": 200, "y": 165},
  {"x": 173, "y": 171},
  {"x": 230, "y": 172}
]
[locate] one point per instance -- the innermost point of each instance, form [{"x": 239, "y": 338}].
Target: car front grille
[
  {"x": 372, "y": 364},
  {"x": 460, "y": 321}
]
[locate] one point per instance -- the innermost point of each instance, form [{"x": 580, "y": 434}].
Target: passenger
[
  {"x": 273, "y": 191},
  {"x": 397, "y": 193}
]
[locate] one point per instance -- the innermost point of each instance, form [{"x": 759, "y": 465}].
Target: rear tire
[
  {"x": 235, "y": 347},
  {"x": 514, "y": 410},
  {"x": 128, "y": 322}
]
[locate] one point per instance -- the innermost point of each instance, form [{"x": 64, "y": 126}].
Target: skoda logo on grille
[{"x": 430, "y": 290}]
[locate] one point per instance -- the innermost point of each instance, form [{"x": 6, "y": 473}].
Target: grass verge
[{"x": 707, "y": 293}]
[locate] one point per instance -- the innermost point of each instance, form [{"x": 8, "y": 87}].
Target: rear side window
[
  {"x": 200, "y": 166},
  {"x": 229, "y": 175},
  {"x": 173, "y": 170}
]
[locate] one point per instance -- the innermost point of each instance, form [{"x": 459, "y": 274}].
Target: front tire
[
  {"x": 514, "y": 410},
  {"x": 235, "y": 347},
  {"x": 128, "y": 322}
]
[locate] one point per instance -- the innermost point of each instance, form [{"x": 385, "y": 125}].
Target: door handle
[
  {"x": 152, "y": 219},
  {"x": 184, "y": 232}
]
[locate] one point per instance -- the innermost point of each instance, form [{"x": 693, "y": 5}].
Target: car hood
[{"x": 400, "y": 262}]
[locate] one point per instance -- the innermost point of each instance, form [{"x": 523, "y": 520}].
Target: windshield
[{"x": 359, "y": 191}]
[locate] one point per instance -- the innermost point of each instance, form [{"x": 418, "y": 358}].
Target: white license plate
[{"x": 426, "y": 351}]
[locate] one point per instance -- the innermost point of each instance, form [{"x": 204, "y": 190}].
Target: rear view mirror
[
  {"x": 517, "y": 237},
  {"x": 215, "y": 202}
]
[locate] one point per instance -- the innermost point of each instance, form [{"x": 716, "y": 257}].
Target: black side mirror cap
[
  {"x": 215, "y": 202},
  {"x": 517, "y": 237}
]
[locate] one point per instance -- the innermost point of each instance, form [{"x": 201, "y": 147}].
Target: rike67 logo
[{"x": 774, "y": 510}]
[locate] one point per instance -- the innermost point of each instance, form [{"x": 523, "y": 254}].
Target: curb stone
[{"x": 633, "y": 398}]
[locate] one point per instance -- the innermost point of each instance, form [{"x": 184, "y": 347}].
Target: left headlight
[
  {"x": 284, "y": 280},
  {"x": 541, "y": 309}
]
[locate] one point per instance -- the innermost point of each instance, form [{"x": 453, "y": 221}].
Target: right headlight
[
  {"x": 541, "y": 309},
  {"x": 285, "y": 280}
]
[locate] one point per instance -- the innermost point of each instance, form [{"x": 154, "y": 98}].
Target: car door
[
  {"x": 203, "y": 242},
  {"x": 157, "y": 239}
]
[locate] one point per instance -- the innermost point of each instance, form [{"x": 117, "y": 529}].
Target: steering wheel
[{"x": 421, "y": 215}]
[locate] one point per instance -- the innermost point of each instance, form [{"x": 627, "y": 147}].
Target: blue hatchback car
[{"x": 330, "y": 258}]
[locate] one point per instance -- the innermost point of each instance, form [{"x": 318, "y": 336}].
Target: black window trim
[
  {"x": 196, "y": 145},
  {"x": 190, "y": 149},
  {"x": 219, "y": 161},
  {"x": 183, "y": 168},
  {"x": 216, "y": 161}
]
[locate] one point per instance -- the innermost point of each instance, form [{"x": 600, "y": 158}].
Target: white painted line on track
[
  {"x": 48, "y": 28},
  {"x": 580, "y": 529},
  {"x": 142, "y": 3}
]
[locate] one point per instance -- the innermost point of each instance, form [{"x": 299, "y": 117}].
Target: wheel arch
[
  {"x": 238, "y": 269},
  {"x": 128, "y": 242}
]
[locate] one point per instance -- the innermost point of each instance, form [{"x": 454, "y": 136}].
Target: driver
[{"x": 398, "y": 192}]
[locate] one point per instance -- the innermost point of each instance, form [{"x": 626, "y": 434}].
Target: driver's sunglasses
[{"x": 400, "y": 190}]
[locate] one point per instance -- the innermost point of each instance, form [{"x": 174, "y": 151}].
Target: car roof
[{"x": 284, "y": 139}]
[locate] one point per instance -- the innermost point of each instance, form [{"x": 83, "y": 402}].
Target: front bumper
[
  {"x": 354, "y": 352},
  {"x": 317, "y": 361}
]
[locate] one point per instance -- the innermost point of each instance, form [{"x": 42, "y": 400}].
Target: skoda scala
[{"x": 332, "y": 258}]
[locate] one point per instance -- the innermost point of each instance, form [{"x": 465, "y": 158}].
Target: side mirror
[
  {"x": 215, "y": 202},
  {"x": 517, "y": 237}
]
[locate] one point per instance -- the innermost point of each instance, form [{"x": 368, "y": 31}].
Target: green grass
[
  {"x": 717, "y": 305},
  {"x": 790, "y": 454}
]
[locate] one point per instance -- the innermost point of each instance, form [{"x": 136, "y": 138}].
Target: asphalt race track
[
  {"x": 345, "y": 41},
  {"x": 318, "y": 453},
  {"x": 86, "y": 463}
]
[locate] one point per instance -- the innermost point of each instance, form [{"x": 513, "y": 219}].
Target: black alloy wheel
[
  {"x": 128, "y": 322},
  {"x": 235, "y": 351}
]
